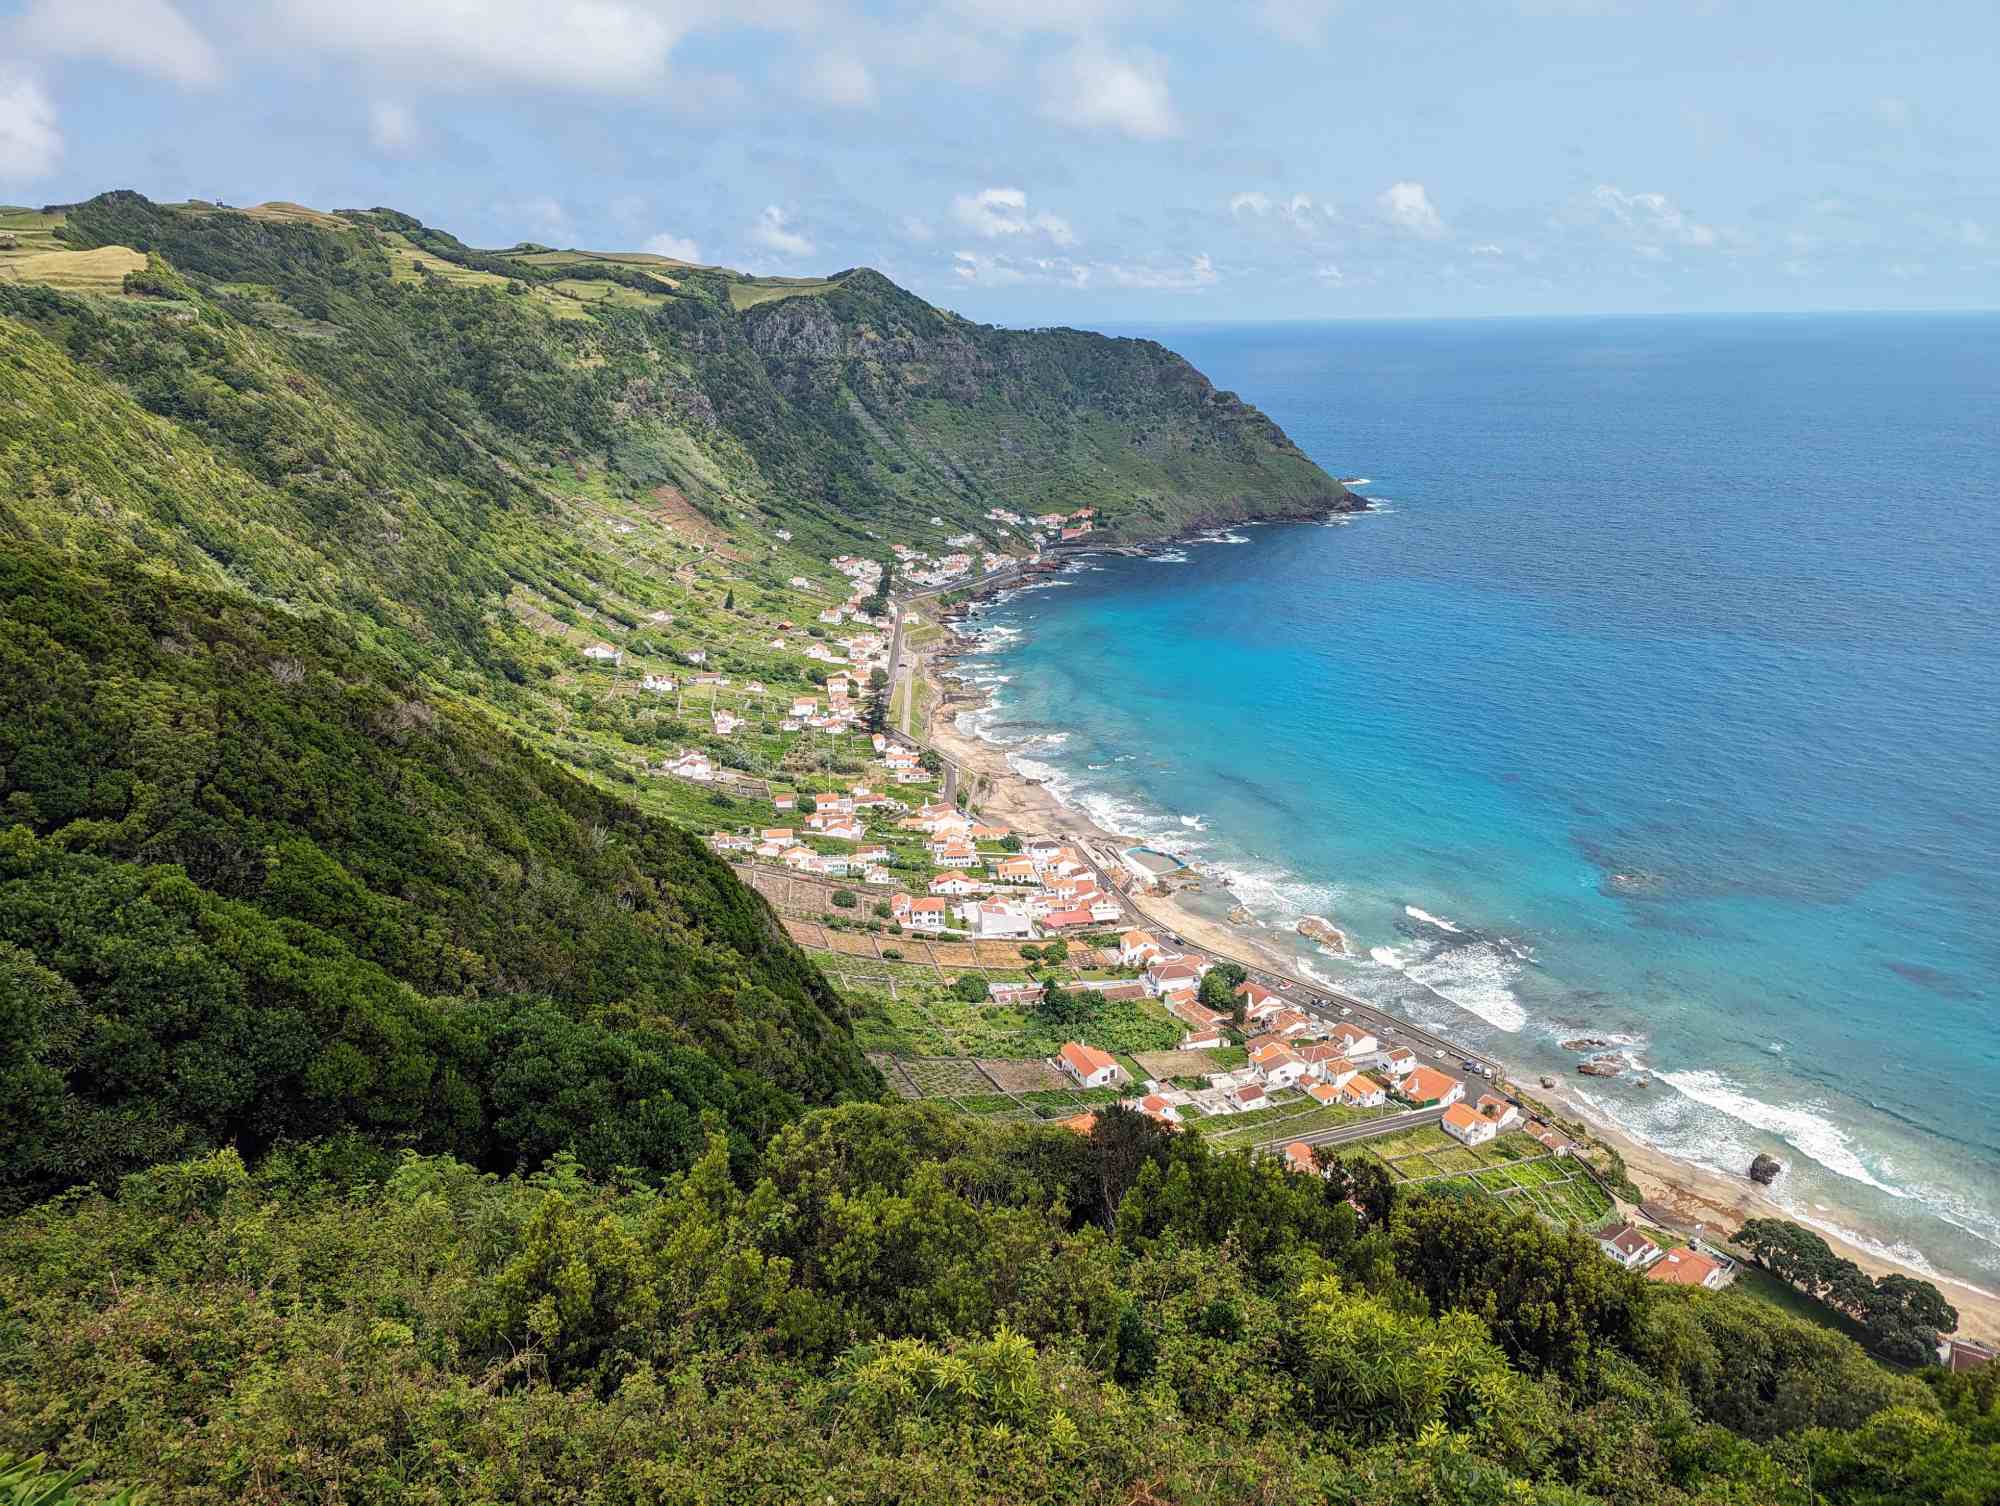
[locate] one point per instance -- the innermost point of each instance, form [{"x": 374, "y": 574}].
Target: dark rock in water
[
  {"x": 1548, "y": 1081},
  {"x": 1764, "y": 1170},
  {"x": 1601, "y": 1066},
  {"x": 1586, "y": 1043},
  {"x": 1640, "y": 1083}
]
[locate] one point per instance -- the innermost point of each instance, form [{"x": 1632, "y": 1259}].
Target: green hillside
[{"x": 400, "y": 1104}]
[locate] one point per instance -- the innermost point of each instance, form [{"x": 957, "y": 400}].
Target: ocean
[{"x": 1657, "y": 700}]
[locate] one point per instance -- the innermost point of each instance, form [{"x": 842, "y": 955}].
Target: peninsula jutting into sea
[{"x": 990, "y": 754}]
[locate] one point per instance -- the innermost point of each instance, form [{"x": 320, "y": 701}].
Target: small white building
[
  {"x": 1624, "y": 1244},
  {"x": 604, "y": 653},
  {"x": 1088, "y": 1067},
  {"x": 1467, "y": 1126}
]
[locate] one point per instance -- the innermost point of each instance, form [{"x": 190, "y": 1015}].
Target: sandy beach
[{"x": 1693, "y": 1192}]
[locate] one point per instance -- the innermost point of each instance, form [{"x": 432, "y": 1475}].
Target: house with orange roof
[
  {"x": 1068, "y": 920},
  {"x": 955, "y": 884},
  {"x": 1363, "y": 1092},
  {"x": 1164, "y": 977},
  {"x": 1014, "y": 871},
  {"x": 1258, "y": 1001},
  {"x": 1688, "y": 1268},
  {"x": 1325, "y": 1094},
  {"x": 1299, "y": 1157},
  {"x": 1354, "y": 1040},
  {"x": 1153, "y": 1106},
  {"x": 1398, "y": 1059},
  {"x": 1504, "y": 1115},
  {"x": 1467, "y": 1125},
  {"x": 1327, "y": 1064},
  {"x": 1088, "y": 1067},
  {"x": 927, "y": 915},
  {"x": 1282, "y": 1069},
  {"x": 1426, "y": 1087},
  {"x": 1248, "y": 1095}
]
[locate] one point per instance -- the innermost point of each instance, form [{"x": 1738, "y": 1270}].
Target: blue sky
[{"x": 1084, "y": 160}]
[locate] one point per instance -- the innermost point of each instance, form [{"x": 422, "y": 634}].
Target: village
[{"x": 908, "y": 864}]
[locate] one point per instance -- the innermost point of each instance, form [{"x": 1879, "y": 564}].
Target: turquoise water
[{"x": 1658, "y": 701}]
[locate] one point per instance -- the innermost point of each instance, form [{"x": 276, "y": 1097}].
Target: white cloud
[
  {"x": 577, "y": 44},
  {"x": 147, "y": 35},
  {"x": 679, "y": 247},
  {"x": 842, "y": 80},
  {"x": 1301, "y": 22},
  {"x": 918, "y": 229},
  {"x": 544, "y": 216},
  {"x": 1000, "y": 271},
  {"x": 1408, "y": 207},
  {"x": 994, "y": 213},
  {"x": 1298, "y": 209},
  {"x": 30, "y": 143},
  {"x": 392, "y": 128},
  {"x": 774, "y": 233},
  {"x": 1488, "y": 249},
  {"x": 1650, "y": 221},
  {"x": 1096, "y": 89},
  {"x": 1326, "y": 271}
]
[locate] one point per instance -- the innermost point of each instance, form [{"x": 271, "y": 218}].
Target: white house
[
  {"x": 926, "y": 915},
  {"x": 1164, "y": 977},
  {"x": 1627, "y": 1246},
  {"x": 1468, "y": 1126},
  {"x": 604, "y": 653},
  {"x": 1135, "y": 948},
  {"x": 955, "y": 884},
  {"x": 1258, "y": 1001},
  {"x": 1501, "y": 1114},
  {"x": 693, "y": 766},
  {"x": 1104, "y": 910},
  {"x": 660, "y": 683},
  {"x": 1088, "y": 1067},
  {"x": 1355, "y": 1041},
  {"x": 1398, "y": 1060},
  {"x": 995, "y": 918},
  {"x": 1362, "y": 1092},
  {"x": 1283, "y": 1070}
]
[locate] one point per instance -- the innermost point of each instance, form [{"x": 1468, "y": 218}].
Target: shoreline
[{"x": 1695, "y": 1193}]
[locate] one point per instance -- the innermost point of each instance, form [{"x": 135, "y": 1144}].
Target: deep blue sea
[{"x": 1658, "y": 699}]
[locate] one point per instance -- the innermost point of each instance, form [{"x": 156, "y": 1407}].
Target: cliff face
[{"x": 955, "y": 412}]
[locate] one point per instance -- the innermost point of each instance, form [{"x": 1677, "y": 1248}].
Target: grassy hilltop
[{"x": 400, "y": 1104}]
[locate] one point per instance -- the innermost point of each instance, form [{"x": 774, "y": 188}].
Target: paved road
[{"x": 1361, "y": 1129}]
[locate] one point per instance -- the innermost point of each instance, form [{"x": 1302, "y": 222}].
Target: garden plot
[
  {"x": 1030, "y": 1076},
  {"x": 946, "y": 1076},
  {"x": 1164, "y": 1065}
]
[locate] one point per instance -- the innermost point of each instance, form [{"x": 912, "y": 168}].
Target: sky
[{"x": 1079, "y": 161}]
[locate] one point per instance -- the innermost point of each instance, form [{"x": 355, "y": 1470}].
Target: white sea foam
[
  {"x": 1097, "y": 766},
  {"x": 1806, "y": 1128},
  {"x": 1474, "y": 978},
  {"x": 1431, "y": 920},
  {"x": 1170, "y": 557},
  {"x": 1194, "y": 823}
]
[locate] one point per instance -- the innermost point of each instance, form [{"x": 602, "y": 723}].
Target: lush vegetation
[
  {"x": 1900, "y": 1315},
  {"x": 896, "y": 1304},
  {"x": 395, "y": 1107}
]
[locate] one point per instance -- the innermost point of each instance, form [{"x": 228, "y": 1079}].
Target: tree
[
  {"x": 1215, "y": 993},
  {"x": 729, "y": 600},
  {"x": 971, "y": 987},
  {"x": 1358, "y": 1179},
  {"x": 807, "y": 805},
  {"x": 1031, "y": 953},
  {"x": 1056, "y": 951},
  {"x": 1904, "y": 1317},
  {"x": 845, "y": 898}
]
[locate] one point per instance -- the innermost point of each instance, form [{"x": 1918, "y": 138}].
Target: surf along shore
[{"x": 1692, "y": 1194}]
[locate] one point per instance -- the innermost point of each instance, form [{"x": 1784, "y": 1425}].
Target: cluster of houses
[
  {"x": 1046, "y": 889},
  {"x": 1626, "y": 1245}
]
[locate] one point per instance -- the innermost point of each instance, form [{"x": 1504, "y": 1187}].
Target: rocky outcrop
[
  {"x": 1602, "y": 1066},
  {"x": 1765, "y": 1168},
  {"x": 1586, "y": 1043},
  {"x": 1325, "y": 932}
]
